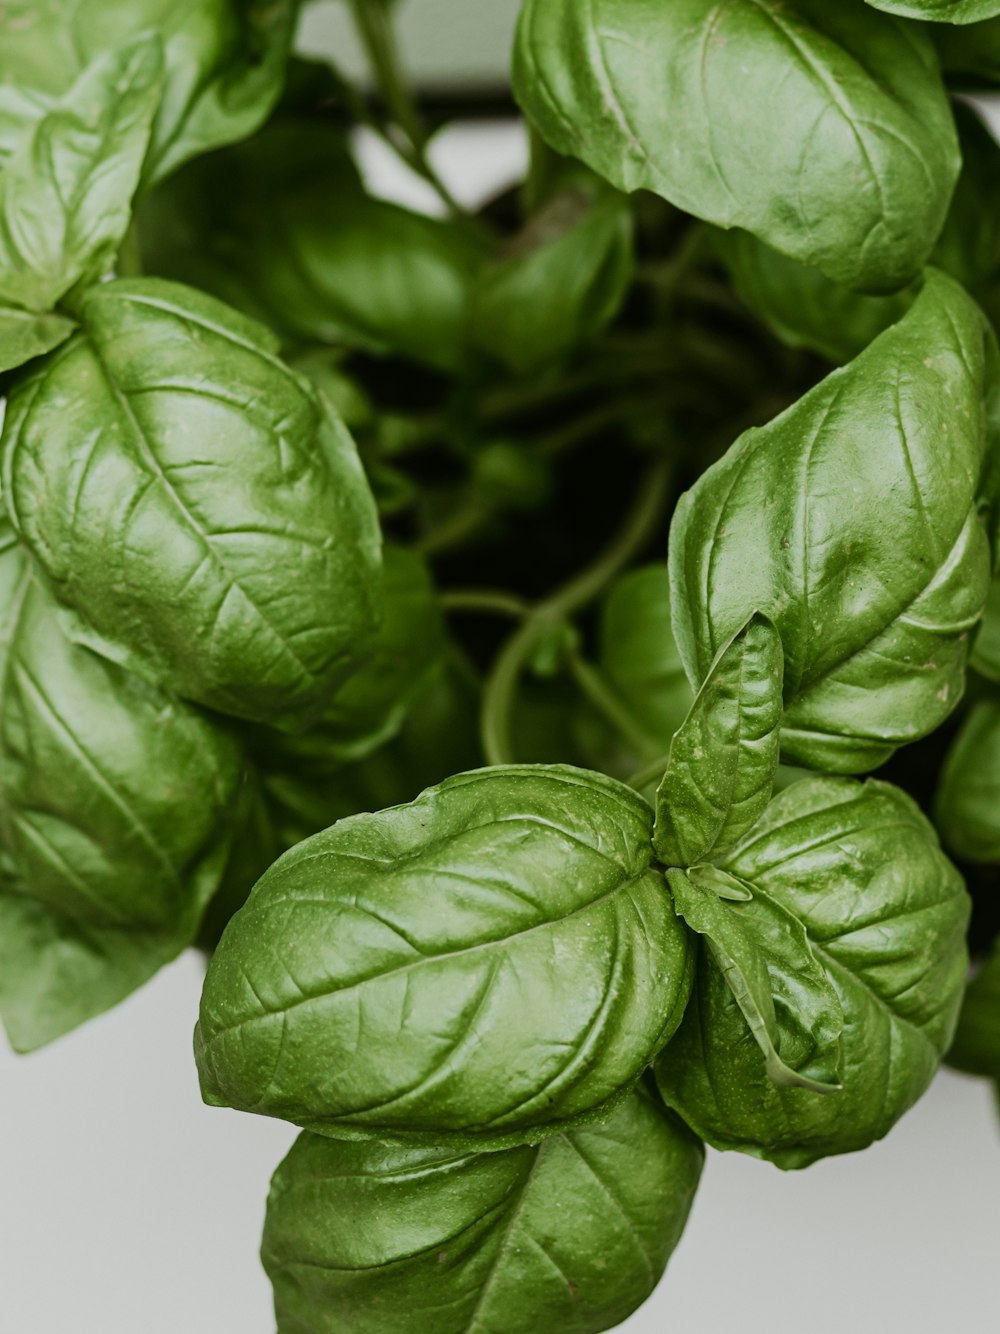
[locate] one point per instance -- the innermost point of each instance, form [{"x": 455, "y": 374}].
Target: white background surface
[{"x": 126, "y": 1207}]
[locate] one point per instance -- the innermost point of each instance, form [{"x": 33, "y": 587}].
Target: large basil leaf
[
  {"x": 558, "y": 282},
  {"x": 66, "y": 189},
  {"x": 967, "y": 805},
  {"x": 763, "y": 952},
  {"x": 976, "y": 1048},
  {"x": 197, "y": 505},
  {"x": 282, "y": 228},
  {"x": 370, "y": 708},
  {"x": 885, "y": 915},
  {"x": 571, "y": 1234},
  {"x": 824, "y": 129},
  {"x": 488, "y": 963},
  {"x": 724, "y": 756},
  {"x": 851, "y": 521},
  {"x": 224, "y": 61},
  {"x": 940, "y": 11},
  {"x": 25, "y": 335},
  {"x": 114, "y": 809}
]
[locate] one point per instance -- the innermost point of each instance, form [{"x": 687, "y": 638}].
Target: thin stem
[
  {"x": 652, "y": 773},
  {"x": 595, "y": 688},
  {"x": 129, "y": 262},
  {"x": 463, "y": 522},
  {"x": 490, "y": 601},
  {"x": 501, "y": 686}
]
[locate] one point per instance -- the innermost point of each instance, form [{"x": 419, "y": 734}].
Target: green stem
[
  {"x": 595, "y": 688},
  {"x": 501, "y": 686},
  {"x": 651, "y": 773},
  {"x": 465, "y": 520},
  {"x": 490, "y": 601},
  {"x": 129, "y": 262}
]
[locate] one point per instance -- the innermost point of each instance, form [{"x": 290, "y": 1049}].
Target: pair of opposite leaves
[
  {"x": 100, "y": 96},
  {"x": 823, "y": 129}
]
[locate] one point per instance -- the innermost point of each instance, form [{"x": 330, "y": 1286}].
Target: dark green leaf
[
  {"x": 487, "y": 964},
  {"x": 198, "y": 507},
  {"x": 976, "y": 1048},
  {"x": 114, "y": 819},
  {"x": 851, "y": 520},
  {"x": 884, "y": 914},
  {"x": 724, "y": 756},
  {"x": 763, "y": 952},
  {"x": 557, "y": 283},
  {"x": 967, "y": 805},
  {"x": 66, "y": 189},
  {"x": 969, "y": 55},
  {"x": 824, "y": 129},
  {"x": 571, "y": 1234}
]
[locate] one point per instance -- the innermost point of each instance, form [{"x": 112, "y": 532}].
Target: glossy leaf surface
[
  {"x": 224, "y": 61},
  {"x": 885, "y": 914},
  {"x": 851, "y": 520},
  {"x": 572, "y": 1233},
  {"x": 198, "y": 507},
  {"x": 487, "y": 963},
  {"x": 724, "y": 757},
  {"x": 823, "y": 129},
  {"x": 940, "y": 11},
  {"x": 66, "y": 189},
  {"x": 114, "y": 819},
  {"x": 764, "y": 955}
]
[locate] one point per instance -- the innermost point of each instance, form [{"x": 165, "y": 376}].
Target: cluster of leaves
[{"x": 342, "y": 634}]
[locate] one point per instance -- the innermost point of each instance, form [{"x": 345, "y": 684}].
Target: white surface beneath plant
[{"x": 127, "y": 1207}]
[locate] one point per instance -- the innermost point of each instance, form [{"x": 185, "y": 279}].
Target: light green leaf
[
  {"x": 940, "y": 11},
  {"x": 884, "y": 914},
  {"x": 823, "y": 129},
  {"x": 24, "y": 335},
  {"x": 724, "y": 756},
  {"x": 224, "y": 61},
  {"x": 851, "y": 521},
  {"x": 763, "y": 952},
  {"x": 66, "y": 189},
  {"x": 558, "y": 282},
  {"x": 114, "y": 819},
  {"x": 502, "y": 943},
  {"x": 571, "y": 1234},
  {"x": 198, "y": 507},
  {"x": 967, "y": 804}
]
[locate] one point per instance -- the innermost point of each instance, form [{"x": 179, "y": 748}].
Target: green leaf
[
  {"x": 224, "y": 61},
  {"x": 763, "y": 953},
  {"x": 884, "y": 914},
  {"x": 969, "y": 245},
  {"x": 114, "y": 819},
  {"x": 976, "y": 1048},
  {"x": 66, "y": 189},
  {"x": 969, "y": 55},
  {"x": 823, "y": 129},
  {"x": 369, "y": 709},
  {"x": 851, "y": 521},
  {"x": 502, "y": 943},
  {"x": 571, "y": 1234},
  {"x": 197, "y": 506},
  {"x": 724, "y": 756},
  {"x": 967, "y": 804},
  {"x": 940, "y": 11},
  {"x": 557, "y": 283},
  {"x": 24, "y": 335}
]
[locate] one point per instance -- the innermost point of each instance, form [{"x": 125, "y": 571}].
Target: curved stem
[
  {"x": 490, "y": 601},
  {"x": 651, "y": 773},
  {"x": 501, "y": 686},
  {"x": 595, "y": 688}
]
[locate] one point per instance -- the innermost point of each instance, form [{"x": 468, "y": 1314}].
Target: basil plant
[{"x": 545, "y": 655}]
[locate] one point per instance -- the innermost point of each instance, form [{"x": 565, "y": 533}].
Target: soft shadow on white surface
[{"x": 128, "y": 1207}]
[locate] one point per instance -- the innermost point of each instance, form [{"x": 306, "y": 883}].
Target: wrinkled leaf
[
  {"x": 24, "y": 335},
  {"x": 224, "y": 61},
  {"x": 66, "y": 189},
  {"x": 762, "y": 951},
  {"x": 571, "y": 1234},
  {"x": 199, "y": 508},
  {"x": 502, "y": 943},
  {"x": 851, "y": 521},
  {"x": 885, "y": 915},
  {"x": 114, "y": 819},
  {"x": 967, "y": 804},
  {"x": 823, "y": 129},
  {"x": 724, "y": 756},
  {"x": 558, "y": 282}
]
